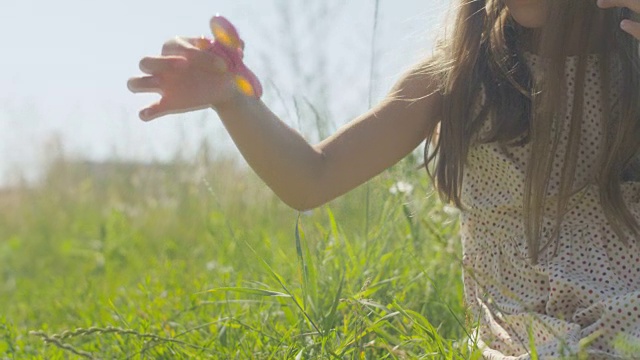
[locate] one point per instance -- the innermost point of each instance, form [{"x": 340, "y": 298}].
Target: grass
[{"x": 192, "y": 260}]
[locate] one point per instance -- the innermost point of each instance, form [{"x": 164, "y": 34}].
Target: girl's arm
[
  {"x": 306, "y": 176},
  {"x": 302, "y": 175}
]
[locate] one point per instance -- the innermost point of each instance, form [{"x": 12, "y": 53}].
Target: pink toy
[{"x": 228, "y": 45}]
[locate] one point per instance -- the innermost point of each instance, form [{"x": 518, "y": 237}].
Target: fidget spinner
[{"x": 229, "y": 46}]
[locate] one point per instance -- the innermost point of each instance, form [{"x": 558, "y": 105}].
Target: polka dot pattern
[{"x": 583, "y": 297}]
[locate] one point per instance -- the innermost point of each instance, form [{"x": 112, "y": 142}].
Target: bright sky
[{"x": 65, "y": 63}]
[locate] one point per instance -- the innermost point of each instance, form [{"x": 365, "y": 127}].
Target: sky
[{"x": 64, "y": 66}]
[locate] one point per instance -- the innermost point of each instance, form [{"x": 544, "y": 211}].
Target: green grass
[{"x": 175, "y": 261}]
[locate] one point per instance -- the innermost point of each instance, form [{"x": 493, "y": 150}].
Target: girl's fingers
[
  {"x": 159, "y": 64},
  {"x": 189, "y": 49},
  {"x": 144, "y": 84},
  {"x": 164, "y": 107},
  {"x": 633, "y": 5},
  {"x": 201, "y": 43},
  {"x": 154, "y": 111},
  {"x": 192, "y": 49},
  {"x": 177, "y": 46},
  {"x": 631, "y": 27}
]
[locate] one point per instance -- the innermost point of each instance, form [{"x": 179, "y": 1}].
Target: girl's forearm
[{"x": 280, "y": 156}]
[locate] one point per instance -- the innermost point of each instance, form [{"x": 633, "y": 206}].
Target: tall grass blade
[
  {"x": 251, "y": 291},
  {"x": 285, "y": 288},
  {"x": 331, "y": 318},
  {"x": 303, "y": 265},
  {"x": 372, "y": 71}
]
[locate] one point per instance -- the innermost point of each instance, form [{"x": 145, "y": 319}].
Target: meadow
[{"x": 198, "y": 259}]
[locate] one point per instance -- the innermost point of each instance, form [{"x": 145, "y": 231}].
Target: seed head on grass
[{"x": 58, "y": 339}]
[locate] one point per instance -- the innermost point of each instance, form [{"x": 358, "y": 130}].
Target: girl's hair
[{"x": 482, "y": 57}]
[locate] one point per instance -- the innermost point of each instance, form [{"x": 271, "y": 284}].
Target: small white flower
[
  {"x": 401, "y": 187},
  {"x": 215, "y": 266},
  {"x": 451, "y": 210},
  {"x": 211, "y": 265}
]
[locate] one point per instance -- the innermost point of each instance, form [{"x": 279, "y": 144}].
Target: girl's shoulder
[{"x": 420, "y": 81}]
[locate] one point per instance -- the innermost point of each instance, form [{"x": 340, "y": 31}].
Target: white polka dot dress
[{"x": 585, "y": 298}]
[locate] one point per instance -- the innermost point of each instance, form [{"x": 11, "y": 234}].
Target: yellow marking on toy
[
  {"x": 224, "y": 37},
  {"x": 244, "y": 86}
]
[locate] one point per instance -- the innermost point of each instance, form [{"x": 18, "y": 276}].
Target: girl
[{"x": 532, "y": 112}]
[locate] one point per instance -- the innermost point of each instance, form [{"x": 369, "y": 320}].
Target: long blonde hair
[{"x": 483, "y": 54}]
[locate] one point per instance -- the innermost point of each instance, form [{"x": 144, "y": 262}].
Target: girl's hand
[
  {"x": 630, "y": 26},
  {"x": 186, "y": 77}
]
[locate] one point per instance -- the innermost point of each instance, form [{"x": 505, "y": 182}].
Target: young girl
[{"x": 532, "y": 112}]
